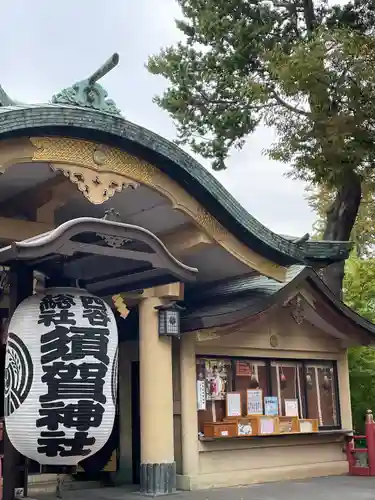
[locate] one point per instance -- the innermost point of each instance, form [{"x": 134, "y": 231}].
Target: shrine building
[{"x": 252, "y": 383}]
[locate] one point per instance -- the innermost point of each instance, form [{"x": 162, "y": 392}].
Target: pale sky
[{"x": 48, "y": 45}]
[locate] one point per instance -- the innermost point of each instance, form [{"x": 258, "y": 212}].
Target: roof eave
[
  {"x": 358, "y": 320},
  {"x": 280, "y": 294},
  {"x": 89, "y": 124}
]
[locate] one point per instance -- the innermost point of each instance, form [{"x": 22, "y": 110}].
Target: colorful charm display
[{"x": 61, "y": 376}]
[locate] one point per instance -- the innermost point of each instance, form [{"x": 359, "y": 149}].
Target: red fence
[{"x": 361, "y": 450}]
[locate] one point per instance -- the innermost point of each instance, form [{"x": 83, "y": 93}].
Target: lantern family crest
[
  {"x": 169, "y": 319},
  {"x": 61, "y": 376}
]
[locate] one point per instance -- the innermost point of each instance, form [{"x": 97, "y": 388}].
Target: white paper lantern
[{"x": 61, "y": 376}]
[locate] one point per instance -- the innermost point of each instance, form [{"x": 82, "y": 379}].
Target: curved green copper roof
[
  {"x": 228, "y": 302},
  {"x": 97, "y": 119}
]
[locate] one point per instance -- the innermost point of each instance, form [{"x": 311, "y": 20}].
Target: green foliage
[
  {"x": 303, "y": 68},
  {"x": 362, "y": 384},
  {"x": 359, "y": 294},
  {"x": 359, "y": 286},
  {"x": 320, "y": 199},
  {"x": 329, "y": 75},
  {"x": 246, "y": 62}
]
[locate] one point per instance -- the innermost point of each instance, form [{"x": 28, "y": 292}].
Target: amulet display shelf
[{"x": 236, "y": 425}]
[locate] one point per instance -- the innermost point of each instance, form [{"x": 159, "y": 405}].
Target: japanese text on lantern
[{"x": 74, "y": 360}]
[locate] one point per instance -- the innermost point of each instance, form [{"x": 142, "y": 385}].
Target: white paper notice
[
  {"x": 254, "y": 402},
  {"x": 291, "y": 407},
  {"x": 233, "y": 404},
  {"x": 201, "y": 395}
]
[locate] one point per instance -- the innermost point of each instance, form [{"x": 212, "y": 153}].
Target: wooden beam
[
  {"x": 19, "y": 230},
  {"x": 185, "y": 240},
  {"x": 174, "y": 291},
  {"x": 29, "y": 200},
  {"x": 59, "y": 195},
  {"x": 171, "y": 291},
  {"x": 17, "y": 150}
]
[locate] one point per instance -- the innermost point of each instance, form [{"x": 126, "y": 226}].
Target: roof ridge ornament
[
  {"x": 5, "y": 100},
  {"x": 90, "y": 94}
]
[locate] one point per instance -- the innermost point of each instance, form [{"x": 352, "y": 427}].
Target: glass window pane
[
  {"x": 301, "y": 382},
  {"x": 312, "y": 395},
  {"x": 217, "y": 374},
  {"x": 321, "y": 393},
  {"x": 250, "y": 374},
  {"x": 286, "y": 383}
]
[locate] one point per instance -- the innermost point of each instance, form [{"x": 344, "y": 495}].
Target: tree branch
[
  {"x": 228, "y": 102},
  {"x": 288, "y": 106},
  {"x": 309, "y": 15}
]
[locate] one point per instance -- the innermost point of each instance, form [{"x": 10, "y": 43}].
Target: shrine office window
[{"x": 312, "y": 383}]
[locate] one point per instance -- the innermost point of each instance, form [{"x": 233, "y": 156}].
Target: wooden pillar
[
  {"x": 158, "y": 468},
  {"x": 344, "y": 390},
  {"x": 14, "y": 467},
  {"x": 189, "y": 414}
]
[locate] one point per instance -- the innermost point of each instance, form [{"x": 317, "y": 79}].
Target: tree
[
  {"x": 362, "y": 384},
  {"x": 305, "y": 69},
  {"x": 363, "y": 233},
  {"x": 359, "y": 286},
  {"x": 359, "y": 294}
]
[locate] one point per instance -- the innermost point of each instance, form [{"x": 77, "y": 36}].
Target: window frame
[{"x": 268, "y": 366}]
